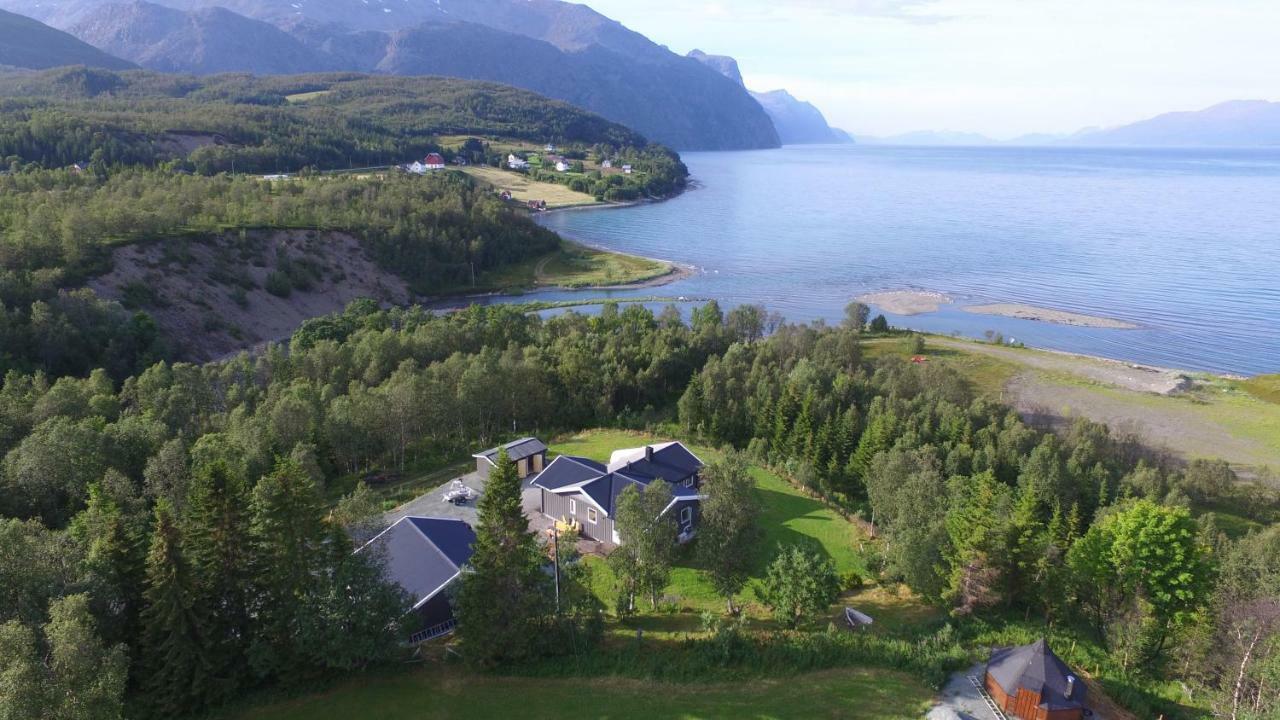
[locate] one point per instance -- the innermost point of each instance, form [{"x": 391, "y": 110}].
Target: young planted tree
[
  {"x": 505, "y": 597},
  {"x": 800, "y": 582},
  {"x": 729, "y": 530},
  {"x": 648, "y": 533}
]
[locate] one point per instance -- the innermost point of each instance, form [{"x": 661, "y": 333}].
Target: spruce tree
[
  {"x": 176, "y": 668},
  {"x": 217, "y": 545},
  {"x": 289, "y": 550},
  {"x": 504, "y": 598}
]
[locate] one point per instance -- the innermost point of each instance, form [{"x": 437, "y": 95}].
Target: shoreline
[{"x": 920, "y": 302}]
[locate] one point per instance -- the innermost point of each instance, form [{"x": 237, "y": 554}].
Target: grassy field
[
  {"x": 306, "y": 96},
  {"x": 852, "y": 694},
  {"x": 576, "y": 266},
  {"x": 1216, "y": 417},
  {"x": 523, "y": 189}
]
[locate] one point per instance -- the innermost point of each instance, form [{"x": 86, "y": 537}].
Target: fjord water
[{"x": 1184, "y": 244}]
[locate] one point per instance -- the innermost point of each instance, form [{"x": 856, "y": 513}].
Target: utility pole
[{"x": 555, "y": 542}]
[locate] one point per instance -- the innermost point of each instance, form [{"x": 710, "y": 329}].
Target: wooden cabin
[{"x": 1031, "y": 683}]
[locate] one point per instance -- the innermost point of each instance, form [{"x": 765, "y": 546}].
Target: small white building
[
  {"x": 549, "y": 148},
  {"x": 607, "y": 164},
  {"x": 626, "y": 169},
  {"x": 562, "y": 166},
  {"x": 516, "y": 163}
]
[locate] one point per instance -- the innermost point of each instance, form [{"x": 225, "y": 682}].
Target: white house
[
  {"x": 626, "y": 169},
  {"x": 516, "y": 163},
  {"x": 549, "y": 148},
  {"x": 562, "y": 166},
  {"x": 607, "y": 164}
]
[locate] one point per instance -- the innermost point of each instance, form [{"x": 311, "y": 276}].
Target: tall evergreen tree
[
  {"x": 504, "y": 598},
  {"x": 217, "y": 545},
  {"x": 289, "y": 549},
  {"x": 176, "y": 667},
  {"x": 976, "y": 548}
]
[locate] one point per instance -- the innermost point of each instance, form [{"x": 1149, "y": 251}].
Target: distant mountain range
[
  {"x": 558, "y": 49},
  {"x": 25, "y": 43},
  {"x": 798, "y": 122},
  {"x": 1236, "y": 123}
]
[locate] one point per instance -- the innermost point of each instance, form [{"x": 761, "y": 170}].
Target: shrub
[{"x": 279, "y": 284}]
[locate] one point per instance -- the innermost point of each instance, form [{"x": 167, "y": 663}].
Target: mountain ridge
[{"x": 30, "y": 44}]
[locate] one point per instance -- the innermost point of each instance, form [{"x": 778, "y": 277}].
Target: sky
[{"x": 1002, "y": 68}]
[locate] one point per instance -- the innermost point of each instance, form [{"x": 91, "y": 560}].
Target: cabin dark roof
[
  {"x": 516, "y": 449},
  {"x": 670, "y": 462},
  {"x": 423, "y": 555},
  {"x": 1034, "y": 667},
  {"x": 568, "y": 470}
]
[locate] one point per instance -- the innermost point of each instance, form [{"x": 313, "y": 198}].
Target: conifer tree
[
  {"x": 504, "y": 598},
  {"x": 176, "y": 668},
  {"x": 114, "y": 559},
  {"x": 975, "y": 529},
  {"x": 217, "y": 545},
  {"x": 289, "y": 548}
]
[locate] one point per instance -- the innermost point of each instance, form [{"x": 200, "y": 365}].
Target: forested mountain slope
[
  {"x": 559, "y": 49},
  {"x": 25, "y": 43}
]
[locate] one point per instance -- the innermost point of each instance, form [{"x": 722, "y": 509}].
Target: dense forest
[
  {"x": 58, "y": 227},
  {"x": 275, "y": 124},
  {"x": 182, "y": 506}
]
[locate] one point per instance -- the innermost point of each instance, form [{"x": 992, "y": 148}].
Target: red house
[{"x": 434, "y": 161}]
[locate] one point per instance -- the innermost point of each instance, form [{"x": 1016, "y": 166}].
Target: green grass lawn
[
  {"x": 851, "y": 694},
  {"x": 788, "y": 517},
  {"x": 575, "y": 266},
  {"x": 1264, "y": 387}
]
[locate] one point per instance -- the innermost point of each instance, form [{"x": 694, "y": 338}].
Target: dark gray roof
[
  {"x": 516, "y": 449},
  {"x": 1035, "y": 668},
  {"x": 568, "y": 470},
  {"x": 423, "y": 555},
  {"x": 670, "y": 461}
]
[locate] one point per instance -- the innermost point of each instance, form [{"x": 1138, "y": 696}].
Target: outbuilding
[
  {"x": 425, "y": 556},
  {"x": 1031, "y": 683},
  {"x": 529, "y": 454}
]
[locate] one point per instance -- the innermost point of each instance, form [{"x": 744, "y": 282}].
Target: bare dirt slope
[{"x": 216, "y": 295}]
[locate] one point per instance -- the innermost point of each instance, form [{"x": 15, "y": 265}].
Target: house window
[
  {"x": 689, "y": 481},
  {"x": 686, "y": 515},
  {"x": 591, "y": 516},
  {"x": 573, "y": 506}
]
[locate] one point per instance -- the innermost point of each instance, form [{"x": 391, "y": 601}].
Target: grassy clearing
[
  {"x": 1264, "y": 387},
  {"x": 306, "y": 96},
  {"x": 988, "y": 374},
  {"x": 853, "y": 694},
  {"x": 523, "y": 189},
  {"x": 576, "y": 266}
]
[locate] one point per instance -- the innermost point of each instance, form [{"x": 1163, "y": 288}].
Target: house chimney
[
  {"x": 1071, "y": 686},
  {"x": 648, "y": 453}
]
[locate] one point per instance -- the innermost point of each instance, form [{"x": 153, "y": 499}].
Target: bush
[{"x": 279, "y": 284}]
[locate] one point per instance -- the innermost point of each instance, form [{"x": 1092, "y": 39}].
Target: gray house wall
[{"x": 557, "y": 506}]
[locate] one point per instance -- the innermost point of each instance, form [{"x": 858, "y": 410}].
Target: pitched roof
[
  {"x": 671, "y": 461},
  {"x": 1035, "y": 668},
  {"x": 516, "y": 450},
  {"x": 434, "y": 159},
  {"x": 423, "y": 555},
  {"x": 567, "y": 470}
]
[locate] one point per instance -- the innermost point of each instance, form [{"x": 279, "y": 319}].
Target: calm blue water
[{"x": 1183, "y": 243}]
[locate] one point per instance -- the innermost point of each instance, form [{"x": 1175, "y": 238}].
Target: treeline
[
  {"x": 983, "y": 514},
  {"x": 979, "y": 512},
  {"x": 57, "y": 228},
  {"x": 277, "y": 124}
]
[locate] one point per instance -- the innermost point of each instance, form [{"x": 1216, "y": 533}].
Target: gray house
[
  {"x": 583, "y": 490},
  {"x": 529, "y": 454},
  {"x": 425, "y": 555}
]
